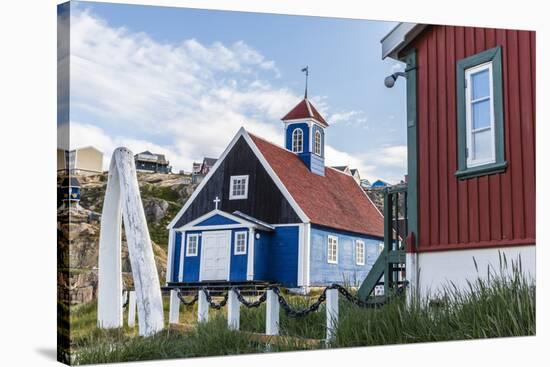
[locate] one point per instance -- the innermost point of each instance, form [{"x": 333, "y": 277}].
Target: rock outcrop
[{"x": 155, "y": 209}]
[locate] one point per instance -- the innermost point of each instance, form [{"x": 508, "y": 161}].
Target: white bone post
[
  {"x": 132, "y": 309},
  {"x": 272, "y": 314},
  {"x": 412, "y": 275},
  {"x": 203, "y": 307},
  {"x": 109, "y": 305},
  {"x": 332, "y": 313},
  {"x": 122, "y": 197},
  {"x": 233, "y": 311},
  {"x": 174, "y": 315}
]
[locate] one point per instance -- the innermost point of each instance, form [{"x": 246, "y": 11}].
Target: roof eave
[
  {"x": 320, "y": 123},
  {"x": 398, "y": 38}
]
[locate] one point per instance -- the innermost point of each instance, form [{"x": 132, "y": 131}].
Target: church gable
[
  {"x": 263, "y": 201},
  {"x": 216, "y": 220}
]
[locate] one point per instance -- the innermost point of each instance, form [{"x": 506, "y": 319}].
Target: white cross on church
[{"x": 216, "y": 201}]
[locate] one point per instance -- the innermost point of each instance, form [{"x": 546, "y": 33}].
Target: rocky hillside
[
  {"x": 162, "y": 195},
  {"x": 78, "y": 231},
  {"x": 377, "y": 197}
]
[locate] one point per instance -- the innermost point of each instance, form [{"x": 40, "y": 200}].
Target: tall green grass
[
  {"x": 501, "y": 303},
  {"x": 496, "y": 305}
]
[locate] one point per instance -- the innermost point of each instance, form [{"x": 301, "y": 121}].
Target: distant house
[
  {"x": 365, "y": 183},
  {"x": 151, "y": 162},
  {"x": 379, "y": 184},
  {"x": 86, "y": 161},
  {"x": 344, "y": 169},
  {"x": 200, "y": 170},
  {"x": 350, "y": 171},
  {"x": 196, "y": 168},
  {"x": 356, "y": 175},
  {"x": 68, "y": 192}
]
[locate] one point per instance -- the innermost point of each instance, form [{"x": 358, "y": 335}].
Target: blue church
[{"x": 268, "y": 213}]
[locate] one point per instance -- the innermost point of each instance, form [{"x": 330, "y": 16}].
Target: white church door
[{"x": 215, "y": 255}]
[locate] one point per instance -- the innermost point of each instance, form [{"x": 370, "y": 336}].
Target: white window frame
[
  {"x": 470, "y": 162},
  {"x": 317, "y": 147},
  {"x": 242, "y": 252},
  {"x": 359, "y": 245},
  {"x": 300, "y": 148},
  {"x": 231, "y": 184},
  {"x": 330, "y": 260},
  {"x": 187, "y": 252}
]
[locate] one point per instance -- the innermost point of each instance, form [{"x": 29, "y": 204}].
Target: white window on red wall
[{"x": 480, "y": 122}]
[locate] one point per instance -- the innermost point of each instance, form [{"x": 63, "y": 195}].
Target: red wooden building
[{"x": 471, "y": 149}]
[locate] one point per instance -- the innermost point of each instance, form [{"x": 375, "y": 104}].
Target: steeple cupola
[{"x": 305, "y": 135}]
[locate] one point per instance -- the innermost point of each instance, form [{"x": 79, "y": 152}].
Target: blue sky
[{"x": 182, "y": 81}]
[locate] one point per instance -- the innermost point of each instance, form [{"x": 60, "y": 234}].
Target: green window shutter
[{"x": 493, "y": 55}]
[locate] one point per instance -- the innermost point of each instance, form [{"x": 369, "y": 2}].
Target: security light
[{"x": 389, "y": 81}]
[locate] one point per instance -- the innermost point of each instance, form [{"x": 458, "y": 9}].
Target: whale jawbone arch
[{"x": 123, "y": 203}]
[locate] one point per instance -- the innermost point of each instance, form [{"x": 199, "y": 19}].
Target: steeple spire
[{"x": 306, "y": 70}]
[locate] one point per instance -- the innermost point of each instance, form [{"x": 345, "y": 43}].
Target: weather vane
[{"x": 306, "y": 70}]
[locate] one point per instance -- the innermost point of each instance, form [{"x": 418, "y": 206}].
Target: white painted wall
[{"x": 437, "y": 269}]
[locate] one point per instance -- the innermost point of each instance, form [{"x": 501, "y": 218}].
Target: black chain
[
  {"x": 248, "y": 304},
  {"x": 303, "y": 312},
  {"x": 291, "y": 312},
  {"x": 350, "y": 297},
  {"x": 213, "y": 304},
  {"x": 187, "y": 303}
]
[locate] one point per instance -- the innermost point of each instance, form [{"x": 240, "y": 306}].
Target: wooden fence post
[
  {"x": 272, "y": 314},
  {"x": 174, "y": 313},
  {"x": 233, "y": 311},
  {"x": 132, "y": 308},
  {"x": 412, "y": 276},
  {"x": 332, "y": 313},
  {"x": 203, "y": 307}
]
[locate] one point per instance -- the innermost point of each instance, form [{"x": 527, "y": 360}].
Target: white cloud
[
  {"x": 394, "y": 156},
  {"x": 336, "y": 157},
  {"x": 343, "y": 116},
  {"x": 184, "y": 99},
  {"x": 82, "y": 134}
]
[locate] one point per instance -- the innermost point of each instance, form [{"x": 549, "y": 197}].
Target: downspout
[{"x": 412, "y": 270}]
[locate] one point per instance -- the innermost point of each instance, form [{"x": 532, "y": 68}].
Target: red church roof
[
  {"x": 334, "y": 200},
  {"x": 304, "y": 110}
]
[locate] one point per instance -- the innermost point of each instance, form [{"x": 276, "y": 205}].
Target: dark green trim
[
  {"x": 486, "y": 169},
  {"x": 412, "y": 150},
  {"x": 372, "y": 279},
  {"x": 397, "y": 257},
  {"x": 494, "y": 55},
  {"x": 388, "y": 239}
]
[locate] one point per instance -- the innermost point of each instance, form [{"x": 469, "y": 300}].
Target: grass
[
  {"x": 497, "y": 306},
  {"x": 168, "y": 193}
]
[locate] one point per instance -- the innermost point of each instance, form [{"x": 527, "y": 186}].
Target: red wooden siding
[{"x": 495, "y": 210}]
